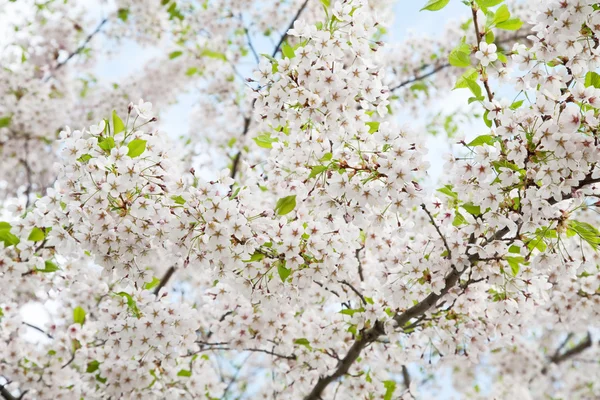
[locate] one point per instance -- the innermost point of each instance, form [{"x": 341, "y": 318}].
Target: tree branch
[
  {"x": 238, "y": 157},
  {"x": 83, "y": 45},
  {"x": 437, "y": 228},
  {"x": 367, "y": 337},
  {"x": 165, "y": 279}
]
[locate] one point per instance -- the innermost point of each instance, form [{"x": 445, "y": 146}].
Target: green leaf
[
  {"x": 459, "y": 220},
  {"x": 257, "y": 256},
  {"x": 351, "y": 312},
  {"x": 175, "y": 54},
  {"x": 49, "y": 266},
  {"x": 285, "y": 205},
  {"x": 106, "y": 143},
  {"x": 586, "y": 232},
  {"x": 488, "y": 122},
  {"x": 136, "y": 147},
  {"x": 592, "y": 79},
  {"x": 178, "y": 200},
  {"x": 474, "y": 87},
  {"x": 459, "y": 58},
  {"x": 118, "y": 125},
  {"x": 373, "y": 126},
  {"x": 84, "y": 158},
  {"x": 92, "y": 366},
  {"x": 514, "y": 249},
  {"x": 123, "y": 14},
  {"x": 435, "y": 5},
  {"x": 36, "y": 235},
  {"x": 303, "y": 342},
  {"x": 502, "y": 14},
  {"x": 481, "y": 140},
  {"x": 515, "y": 264},
  {"x": 283, "y": 272},
  {"x": 4, "y": 225},
  {"x": 390, "y": 387},
  {"x": 511, "y": 24},
  {"x": 131, "y": 304},
  {"x": 516, "y": 104},
  {"x": 472, "y": 209},
  {"x": 326, "y": 157},
  {"x": 152, "y": 284},
  {"x": 317, "y": 170},
  {"x": 288, "y": 51},
  {"x": 489, "y": 37},
  {"x": 5, "y": 121},
  {"x": 265, "y": 140},
  {"x": 191, "y": 71},
  {"x": 8, "y": 238},
  {"x": 469, "y": 75},
  {"x": 79, "y": 315},
  {"x": 184, "y": 372},
  {"x": 213, "y": 54},
  {"x": 447, "y": 190},
  {"x": 488, "y": 3}
]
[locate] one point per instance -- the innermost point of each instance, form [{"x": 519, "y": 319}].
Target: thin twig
[
  {"x": 248, "y": 119},
  {"x": 362, "y": 298},
  {"x": 438, "y": 230},
  {"x": 83, "y": 45},
  {"x": 37, "y": 328}
]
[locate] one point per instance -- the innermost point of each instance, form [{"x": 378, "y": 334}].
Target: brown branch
[
  {"x": 559, "y": 357},
  {"x": 484, "y": 78},
  {"x": 6, "y": 393},
  {"x": 367, "y": 337},
  {"x": 420, "y": 77},
  {"x": 440, "y": 67},
  {"x": 437, "y": 228},
  {"x": 238, "y": 157},
  {"x": 584, "y": 344},
  {"x": 83, "y": 45},
  {"x": 165, "y": 279},
  {"x": 38, "y": 329},
  {"x": 406, "y": 376},
  {"x": 362, "y": 298}
]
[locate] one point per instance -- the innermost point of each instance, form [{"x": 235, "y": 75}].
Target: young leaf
[
  {"x": 152, "y": 284},
  {"x": 36, "y": 235},
  {"x": 459, "y": 58},
  {"x": 79, "y": 315},
  {"x": 501, "y": 15},
  {"x": 285, "y": 205},
  {"x": 136, "y": 147},
  {"x": 592, "y": 79},
  {"x": 175, "y": 54},
  {"x": 118, "y": 125},
  {"x": 49, "y": 266},
  {"x": 511, "y": 24},
  {"x": 106, "y": 144},
  {"x": 265, "y": 140},
  {"x": 5, "y": 121},
  {"x": 373, "y": 126},
  {"x": 288, "y": 51},
  {"x": 481, "y": 140},
  {"x": 283, "y": 271},
  {"x": 435, "y": 5},
  {"x": 8, "y": 238},
  {"x": 390, "y": 388}
]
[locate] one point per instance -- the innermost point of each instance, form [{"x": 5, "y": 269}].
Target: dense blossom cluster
[{"x": 320, "y": 264}]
